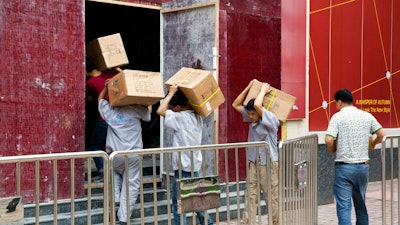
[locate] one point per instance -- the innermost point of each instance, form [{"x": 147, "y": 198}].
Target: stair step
[
  {"x": 65, "y": 218},
  {"x": 47, "y": 208},
  {"x": 162, "y": 219}
]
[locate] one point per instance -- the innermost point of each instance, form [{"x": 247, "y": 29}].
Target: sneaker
[{"x": 100, "y": 172}]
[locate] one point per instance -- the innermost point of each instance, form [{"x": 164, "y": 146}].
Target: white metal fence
[
  {"x": 297, "y": 182},
  {"x": 390, "y": 181},
  {"x": 18, "y": 162}
]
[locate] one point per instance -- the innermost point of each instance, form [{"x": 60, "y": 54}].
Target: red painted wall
[
  {"x": 42, "y": 90},
  {"x": 353, "y": 44},
  {"x": 293, "y": 54},
  {"x": 250, "y": 49}
]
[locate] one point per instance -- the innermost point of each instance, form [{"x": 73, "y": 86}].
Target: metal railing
[
  {"x": 230, "y": 153},
  {"x": 390, "y": 181},
  {"x": 298, "y": 183},
  {"x": 20, "y": 161}
]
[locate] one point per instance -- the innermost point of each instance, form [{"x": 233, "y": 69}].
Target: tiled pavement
[{"x": 327, "y": 213}]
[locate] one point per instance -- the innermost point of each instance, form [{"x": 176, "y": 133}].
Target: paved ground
[{"x": 327, "y": 213}]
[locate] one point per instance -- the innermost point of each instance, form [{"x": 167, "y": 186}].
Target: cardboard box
[
  {"x": 107, "y": 52},
  {"x": 135, "y": 87},
  {"x": 276, "y": 101},
  {"x": 200, "y": 88}
]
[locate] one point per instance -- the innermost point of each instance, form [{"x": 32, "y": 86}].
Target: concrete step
[
  {"x": 81, "y": 217},
  {"x": 97, "y": 185},
  {"x": 64, "y": 207}
]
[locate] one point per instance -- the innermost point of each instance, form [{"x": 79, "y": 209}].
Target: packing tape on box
[
  {"x": 205, "y": 101},
  {"x": 272, "y": 99},
  {"x": 184, "y": 78}
]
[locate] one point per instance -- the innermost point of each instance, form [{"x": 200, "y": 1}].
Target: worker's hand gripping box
[{"x": 200, "y": 88}]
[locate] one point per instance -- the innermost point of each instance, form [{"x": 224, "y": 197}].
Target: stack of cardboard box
[
  {"x": 144, "y": 87},
  {"x": 128, "y": 86}
]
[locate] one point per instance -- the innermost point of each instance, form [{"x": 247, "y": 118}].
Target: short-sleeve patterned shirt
[{"x": 352, "y": 127}]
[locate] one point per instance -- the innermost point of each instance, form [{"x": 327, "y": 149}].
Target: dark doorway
[{"x": 140, "y": 32}]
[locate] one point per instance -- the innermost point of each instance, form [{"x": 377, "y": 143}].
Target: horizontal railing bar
[
  {"x": 52, "y": 156},
  {"x": 190, "y": 148}
]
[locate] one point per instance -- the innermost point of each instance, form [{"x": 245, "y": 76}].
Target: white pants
[{"x": 120, "y": 185}]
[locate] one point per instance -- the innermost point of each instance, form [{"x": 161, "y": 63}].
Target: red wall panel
[
  {"x": 250, "y": 49},
  {"x": 293, "y": 54},
  {"x": 356, "y": 51},
  {"x": 42, "y": 88}
]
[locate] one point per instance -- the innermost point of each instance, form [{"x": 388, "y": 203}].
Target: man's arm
[
  {"x": 380, "y": 134},
  {"x": 330, "y": 144},
  {"x": 162, "y": 109},
  {"x": 238, "y": 103},
  {"x": 265, "y": 88}
]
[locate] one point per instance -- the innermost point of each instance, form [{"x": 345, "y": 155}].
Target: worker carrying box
[{"x": 200, "y": 88}]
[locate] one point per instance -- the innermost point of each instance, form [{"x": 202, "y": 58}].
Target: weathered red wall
[
  {"x": 41, "y": 90},
  {"x": 250, "y": 49},
  {"x": 353, "y": 44}
]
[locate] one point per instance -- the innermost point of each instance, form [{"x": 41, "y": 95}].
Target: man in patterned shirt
[{"x": 348, "y": 135}]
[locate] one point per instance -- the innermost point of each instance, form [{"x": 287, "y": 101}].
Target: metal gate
[
  {"x": 390, "y": 181},
  {"x": 298, "y": 185},
  {"x": 297, "y": 182}
]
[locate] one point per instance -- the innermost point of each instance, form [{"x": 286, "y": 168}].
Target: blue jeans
[
  {"x": 177, "y": 216},
  {"x": 350, "y": 182},
  {"x": 98, "y": 141}
]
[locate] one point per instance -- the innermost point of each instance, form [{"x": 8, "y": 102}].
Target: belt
[{"x": 361, "y": 163}]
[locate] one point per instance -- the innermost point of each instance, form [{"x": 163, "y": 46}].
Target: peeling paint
[
  {"x": 42, "y": 84},
  {"x": 59, "y": 86},
  {"x": 19, "y": 137}
]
